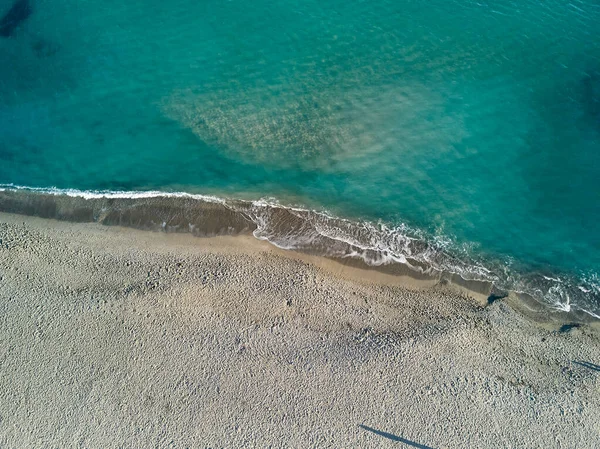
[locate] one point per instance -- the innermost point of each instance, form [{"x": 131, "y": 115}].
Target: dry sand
[{"x": 113, "y": 337}]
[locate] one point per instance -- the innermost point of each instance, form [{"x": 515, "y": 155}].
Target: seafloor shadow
[
  {"x": 588, "y": 365},
  {"x": 394, "y": 437}
]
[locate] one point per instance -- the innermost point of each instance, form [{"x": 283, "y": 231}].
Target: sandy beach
[{"x": 113, "y": 337}]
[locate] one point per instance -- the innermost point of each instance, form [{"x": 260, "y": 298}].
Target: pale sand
[{"x": 112, "y": 337}]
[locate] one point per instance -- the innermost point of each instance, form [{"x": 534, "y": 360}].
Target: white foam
[
  {"x": 552, "y": 279},
  {"x": 589, "y": 312},
  {"x": 109, "y": 194}
]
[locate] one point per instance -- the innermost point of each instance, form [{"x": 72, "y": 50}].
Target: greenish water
[{"x": 474, "y": 124}]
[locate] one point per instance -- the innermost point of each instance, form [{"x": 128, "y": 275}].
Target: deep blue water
[{"x": 476, "y": 122}]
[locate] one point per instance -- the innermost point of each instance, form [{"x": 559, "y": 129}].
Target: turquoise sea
[{"x": 469, "y": 127}]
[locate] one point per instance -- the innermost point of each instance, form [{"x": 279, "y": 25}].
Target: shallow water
[{"x": 474, "y": 125}]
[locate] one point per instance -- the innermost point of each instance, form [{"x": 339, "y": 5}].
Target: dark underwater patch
[
  {"x": 16, "y": 15},
  {"x": 591, "y": 94}
]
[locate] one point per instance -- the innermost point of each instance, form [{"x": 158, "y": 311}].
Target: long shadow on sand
[
  {"x": 394, "y": 437},
  {"x": 588, "y": 365}
]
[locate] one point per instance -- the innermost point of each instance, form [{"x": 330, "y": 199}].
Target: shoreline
[
  {"x": 397, "y": 275},
  {"x": 112, "y": 336},
  {"x": 205, "y": 216}
]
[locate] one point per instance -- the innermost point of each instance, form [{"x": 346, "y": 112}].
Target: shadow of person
[
  {"x": 588, "y": 365},
  {"x": 393, "y": 437}
]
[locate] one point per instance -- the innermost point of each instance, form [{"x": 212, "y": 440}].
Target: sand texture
[{"x": 112, "y": 337}]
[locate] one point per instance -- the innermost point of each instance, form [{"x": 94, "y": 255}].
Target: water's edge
[{"x": 366, "y": 245}]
